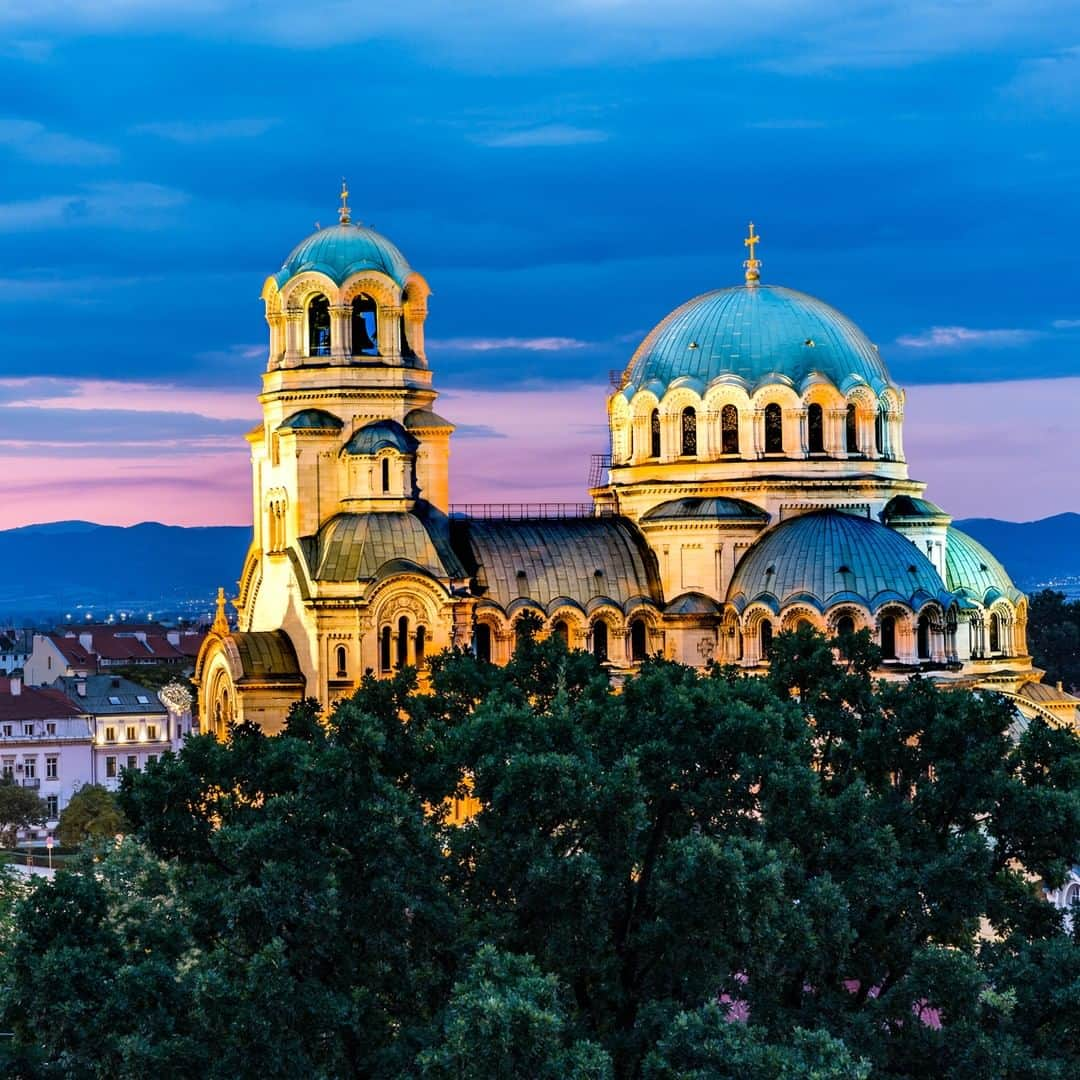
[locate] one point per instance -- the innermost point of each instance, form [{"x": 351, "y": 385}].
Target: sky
[{"x": 563, "y": 174}]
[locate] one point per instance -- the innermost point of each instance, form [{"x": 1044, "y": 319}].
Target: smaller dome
[
  {"x": 311, "y": 420},
  {"x": 827, "y": 557},
  {"x": 905, "y": 506},
  {"x": 715, "y": 509},
  {"x": 426, "y": 420},
  {"x": 339, "y": 251},
  {"x": 381, "y": 435},
  {"x": 973, "y": 572},
  {"x": 692, "y": 603}
]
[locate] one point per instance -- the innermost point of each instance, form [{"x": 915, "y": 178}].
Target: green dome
[
  {"x": 339, "y": 251},
  {"x": 827, "y": 557},
  {"x": 907, "y": 506},
  {"x": 755, "y": 333},
  {"x": 973, "y": 572}
]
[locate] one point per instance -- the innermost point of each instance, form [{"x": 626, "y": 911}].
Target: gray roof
[
  {"x": 426, "y": 420},
  {"x": 110, "y": 695},
  {"x": 311, "y": 420},
  {"x": 362, "y": 547},
  {"x": 907, "y": 506},
  {"x": 267, "y": 655},
  {"x": 707, "y": 509},
  {"x": 379, "y": 435},
  {"x": 580, "y": 559}
]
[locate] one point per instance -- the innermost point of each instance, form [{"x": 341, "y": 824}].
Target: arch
[
  {"x": 318, "y": 325},
  {"x": 385, "y": 657},
  {"x": 888, "y": 637},
  {"x": 482, "y": 642},
  {"x": 639, "y": 640},
  {"x": 815, "y": 429},
  {"x": 341, "y": 656},
  {"x": 421, "y": 645},
  {"x": 688, "y": 432},
  {"x": 561, "y": 629},
  {"x": 922, "y": 636},
  {"x": 401, "y": 654},
  {"x": 774, "y": 429},
  {"x": 851, "y": 429},
  {"x": 879, "y": 430},
  {"x": 365, "y": 325},
  {"x": 765, "y": 638},
  {"x": 845, "y": 626},
  {"x": 729, "y": 429},
  {"x": 654, "y": 433},
  {"x": 994, "y": 637},
  {"x": 600, "y": 640}
]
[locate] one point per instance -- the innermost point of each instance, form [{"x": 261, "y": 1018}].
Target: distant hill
[
  {"x": 62, "y": 565},
  {"x": 1033, "y": 552}
]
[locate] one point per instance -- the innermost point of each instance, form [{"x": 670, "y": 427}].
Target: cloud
[
  {"x": 35, "y": 142},
  {"x": 966, "y": 337},
  {"x": 1049, "y": 82},
  {"x": 189, "y": 134},
  {"x": 477, "y": 431},
  {"x": 546, "y": 135},
  {"x": 508, "y": 344},
  {"x": 128, "y": 205},
  {"x": 1066, "y": 324}
]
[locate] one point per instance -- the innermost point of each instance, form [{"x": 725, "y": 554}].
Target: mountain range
[{"x": 78, "y": 565}]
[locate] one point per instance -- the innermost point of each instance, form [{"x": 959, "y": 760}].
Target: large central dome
[{"x": 755, "y": 333}]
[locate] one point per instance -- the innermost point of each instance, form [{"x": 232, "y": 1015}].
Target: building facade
[{"x": 757, "y": 481}]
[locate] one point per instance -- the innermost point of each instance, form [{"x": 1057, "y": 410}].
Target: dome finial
[
  {"x": 343, "y": 211},
  {"x": 752, "y": 265}
]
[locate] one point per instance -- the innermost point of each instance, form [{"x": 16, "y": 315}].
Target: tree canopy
[
  {"x": 20, "y": 808},
  {"x": 92, "y": 813},
  {"x": 700, "y": 875},
  {"x": 1054, "y": 637}
]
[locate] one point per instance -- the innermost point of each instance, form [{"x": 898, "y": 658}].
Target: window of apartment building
[
  {"x": 50, "y": 728},
  {"x": 110, "y": 734},
  {"x": 132, "y": 761},
  {"x": 52, "y": 767},
  {"x": 28, "y": 729},
  {"x": 7, "y": 729},
  {"x": 132, "y": 733},
  {"x": 151, "y": 731},
  {"x": 110, "y": 767},
  {"x": 30, "y": 767},
  {"x": 52, "y": 807},
  {"x": 7, "y": 770},
  {"x": 151, "y": 758}
]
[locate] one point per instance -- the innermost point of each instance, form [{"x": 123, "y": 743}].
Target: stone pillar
[
  {"x": 340, "y": 333},
  {"x": 797, "y": 417},
  {"x": 836, "y": 420},
  {"x": 865, "y": 428},
  {"x": 896, "y": 435},
  {"x": 759, "y": 433},
  {"x": 276, "y": 323},
  {"x": 390, "y": 343},
  {"x": 294, "y": 333}
]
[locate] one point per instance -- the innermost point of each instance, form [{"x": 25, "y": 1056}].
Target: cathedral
[{"x": 757, "y": 482}]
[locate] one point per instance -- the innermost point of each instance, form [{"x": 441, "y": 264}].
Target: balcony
[{"x": 30, "y": 781}]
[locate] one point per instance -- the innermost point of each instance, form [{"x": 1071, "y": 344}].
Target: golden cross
[
  {"x": 752, "y": 265},
  {"x": 343, "y": 212}
]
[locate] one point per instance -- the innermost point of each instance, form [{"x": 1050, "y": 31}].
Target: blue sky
[{"x": 563, "y": 174}]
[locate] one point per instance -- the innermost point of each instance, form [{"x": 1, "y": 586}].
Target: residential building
[{"x": 15, "y": 648}]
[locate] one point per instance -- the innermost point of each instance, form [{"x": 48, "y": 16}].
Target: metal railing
[
  {"x": 598, "y": 467},
  {"x": 521, "y": 511},
  {"x": 30, "y": 781}
]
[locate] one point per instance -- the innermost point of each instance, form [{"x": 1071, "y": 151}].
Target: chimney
[
  {"x": 15, "y": 683},
  {"x": 80, "y": 688},
  {"x": 1061, "y": 688},
  {"x": 116, "y": 684},
  {"x": 87, "y": 641}
]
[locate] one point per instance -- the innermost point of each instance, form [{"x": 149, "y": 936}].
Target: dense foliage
[
  {"x": 20, "y": 808},
  {"x": 1054, "y": 637},
  {"x": 702, "y": 876},
  {"x": 91, "y": 814}
]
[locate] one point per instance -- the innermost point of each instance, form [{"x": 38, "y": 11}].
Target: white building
[{"x": 15, "y": 647}]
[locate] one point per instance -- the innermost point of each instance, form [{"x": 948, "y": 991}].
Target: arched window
[
  {"x": 845, "y": 626},
  {"x": 342, "y": 656},
  {"x": 765, "y": 637},
  {"x": 815, "y": 429},
  {"x": 1072, "y": 895},
  {"x": 879, "y": 430},
  {"x": 385, "y": 474},
  {"x": 384, "y": 650},
  {"x": 318, "y": 314},
  {"x": 482, "y": 642},
  {"x": 421, "y": 645},
  {"x": 804, "y": 625},
  {"x": 599, "y": 640},
  {"x": 654, "y": 433},
  {"x": 923, "y": 635},
  {"x": 639, "y": 640},
  {"x": 851, "y": 430},
  {"x": 402, "y": 658},
  {"x": 774, "y": 429},
  {"x": 689, "y": 432},
  {"x": 995, "y": 632},
  {"x": 407, "y": 352},
  {"x": 365, "y": 326},
  {"x": 729, "y": 430},
  {"x": 888, "y": 638},
  {"x": 561, "y": 631}
]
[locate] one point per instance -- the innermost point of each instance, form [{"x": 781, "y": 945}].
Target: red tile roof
[{"x": 35, "y": 703}]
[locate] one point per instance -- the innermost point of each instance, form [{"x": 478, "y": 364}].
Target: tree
[
  {"x": 92, "y": 813},
  {"x": 1054, "y": 637},
  {"x": 20, "y": 808}
]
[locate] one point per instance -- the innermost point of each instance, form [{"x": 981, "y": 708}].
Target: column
[
  {"x": 865, "y": 428},
  {"x": 834, "y": 432},
  {"x": 277, "y": 339},
  {"x": 797, "y": 417},
  {"x": 390, "y": 343},
  {"x": 759, "y": 433},
  {"x": 294, "y": 332},
  {"x": 896, "y": 435},
  {"x": 340, "y": 333}
]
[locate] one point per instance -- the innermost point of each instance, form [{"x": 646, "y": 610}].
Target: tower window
[
  {"x": 639, "y": 647},
  {"x": 421, "y": 644},
  {"x": 402, "y": 658},
  {"x": 384, "y": 650},
  {"x": 561, "y": 631},
  {"x": 689, "y": 432},
  {"x": 851, "y": 430},
  {"x": 385, "y": 475},
  {"x": 815, "y": 429},
  {"x": 774, "y": 429},
  {"x": 407, "y": 351},
  {"x": 995, "y": 632},
  {"x": 888, "y": 638},
  {"x": 600, "y": 640},
  {"x": 729, "y": 430},
  {"x": 766, "y": 639},
  {"x": 365, "y": 326},
  {"x": 319, "y": 326},
  {"x": 924, "y": 637},
  {"x": 342, "y": 657},
  {"x": 482, "y": 642},
  {"x": 654, "y": 433},
  {"x": 879, "y": 431}
]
